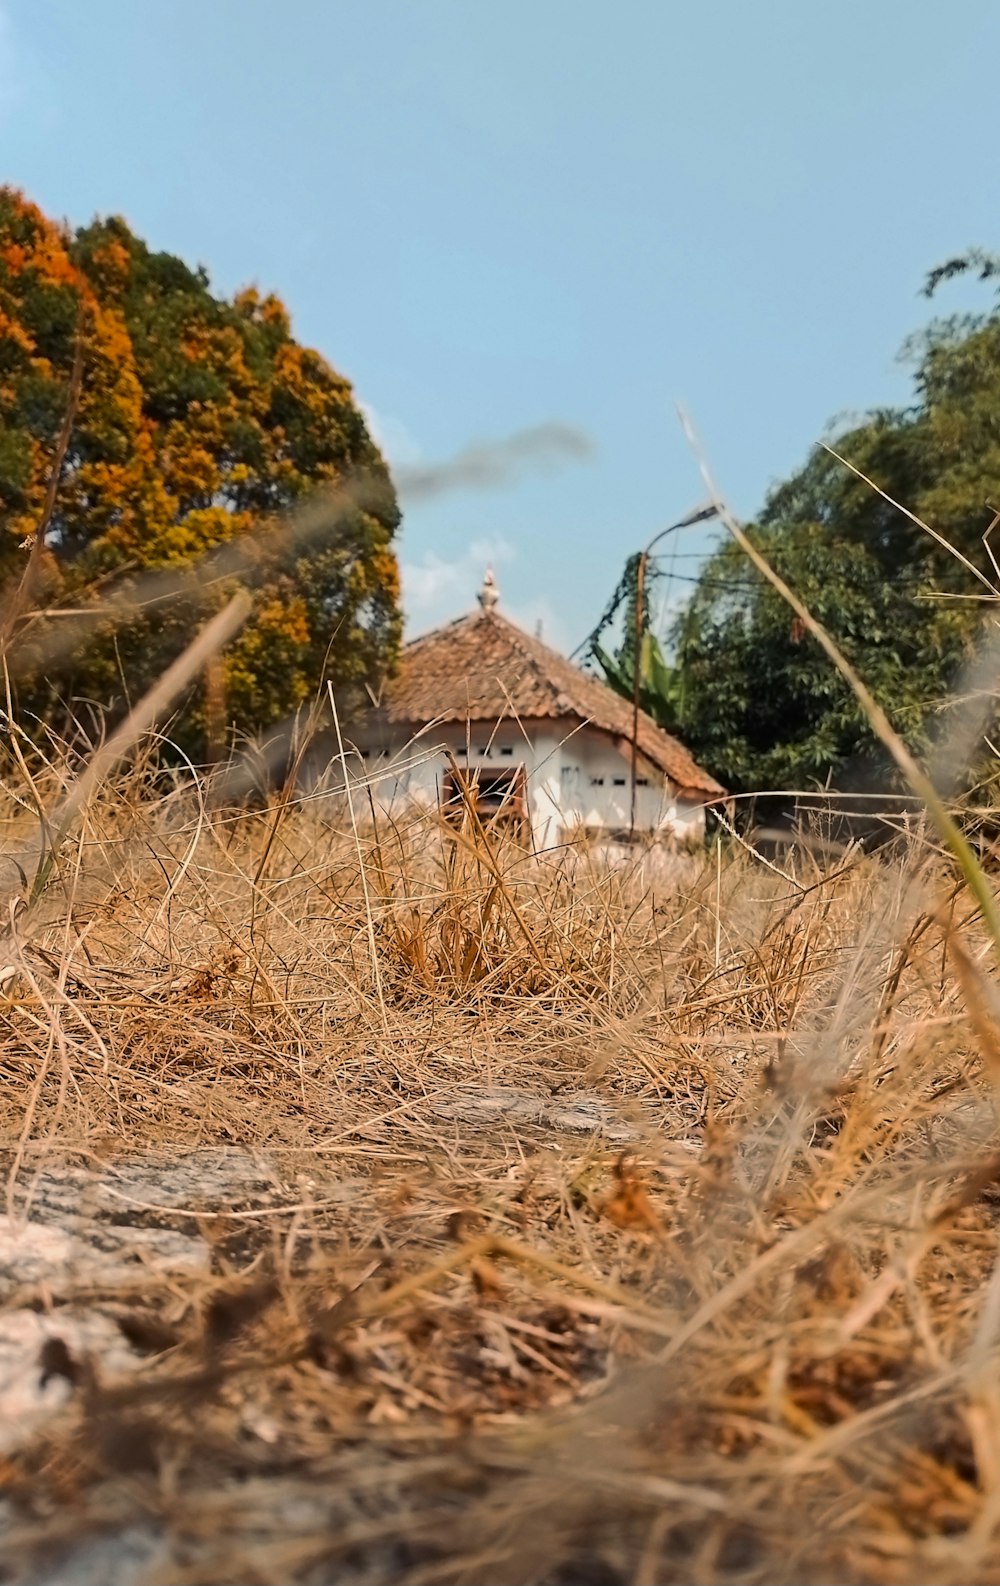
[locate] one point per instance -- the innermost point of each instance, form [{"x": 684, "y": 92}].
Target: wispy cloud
[
  {"x": 436, "y": 587},
  {"x": 391, "y": 436}
]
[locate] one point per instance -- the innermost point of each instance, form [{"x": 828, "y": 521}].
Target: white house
[{"x": 533, "y": 737}]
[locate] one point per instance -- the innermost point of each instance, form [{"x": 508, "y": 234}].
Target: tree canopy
[
  {"x": 200, "y": 421},
  {"x": 752, "y": 694}
]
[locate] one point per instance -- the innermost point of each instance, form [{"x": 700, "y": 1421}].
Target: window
[
  {"x": 619, "y": 781},
  {"x": 642, "y": 781},
  {"x": 508, "y": 751},
  {"x": 597, "y": 781}
]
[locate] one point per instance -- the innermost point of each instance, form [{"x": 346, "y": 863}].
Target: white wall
[
  {"x": 597, "y": 791},
  {"x": 576, "y": 779}
]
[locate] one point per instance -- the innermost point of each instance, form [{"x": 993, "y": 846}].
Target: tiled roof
[{"x": 483, "y": 668}]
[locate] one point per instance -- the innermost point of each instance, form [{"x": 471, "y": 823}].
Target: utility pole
[
  {"x": 700, "y": 515},
  {"x": 637, "y": 633}
]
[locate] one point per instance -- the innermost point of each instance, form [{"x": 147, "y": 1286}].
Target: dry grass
[{"x": 463, "y": 1341}]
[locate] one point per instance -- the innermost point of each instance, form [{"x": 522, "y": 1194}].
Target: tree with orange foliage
[{"x": 200, "y": 422}]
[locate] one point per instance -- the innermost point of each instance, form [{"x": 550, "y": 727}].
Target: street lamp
[{"x": 700, "y": 515}]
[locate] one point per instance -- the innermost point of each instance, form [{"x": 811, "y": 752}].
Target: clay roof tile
[{"x": 483, "y": 668}]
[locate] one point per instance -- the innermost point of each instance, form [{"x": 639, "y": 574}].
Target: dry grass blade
[
  {"x": 125, "y": 595},
  {"x": 150, "y": 709},
  {"x": 22, "y": 596},
  {"x": 946, "y": 544},
  {"x": 921, "y": 784},
  {"x": 369, "y": 919},
  {"x": 392, "y": 1203}
]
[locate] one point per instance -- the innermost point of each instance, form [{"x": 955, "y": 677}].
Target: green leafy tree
[
  {"x": 759, "y": 703},
  {"x": 201, "y": 420},
  {"x": 659, "y": 683}
]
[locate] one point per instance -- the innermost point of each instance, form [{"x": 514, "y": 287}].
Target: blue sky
[{"x": 492, "y": 217}]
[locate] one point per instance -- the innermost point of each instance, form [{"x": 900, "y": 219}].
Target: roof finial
[{"x": 489, "y": 594}]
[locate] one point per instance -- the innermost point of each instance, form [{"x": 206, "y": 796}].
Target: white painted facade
[{"x": 577, "y": 779}]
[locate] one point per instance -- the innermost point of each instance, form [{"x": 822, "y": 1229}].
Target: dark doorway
[{"x": 494, "y": 795}]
